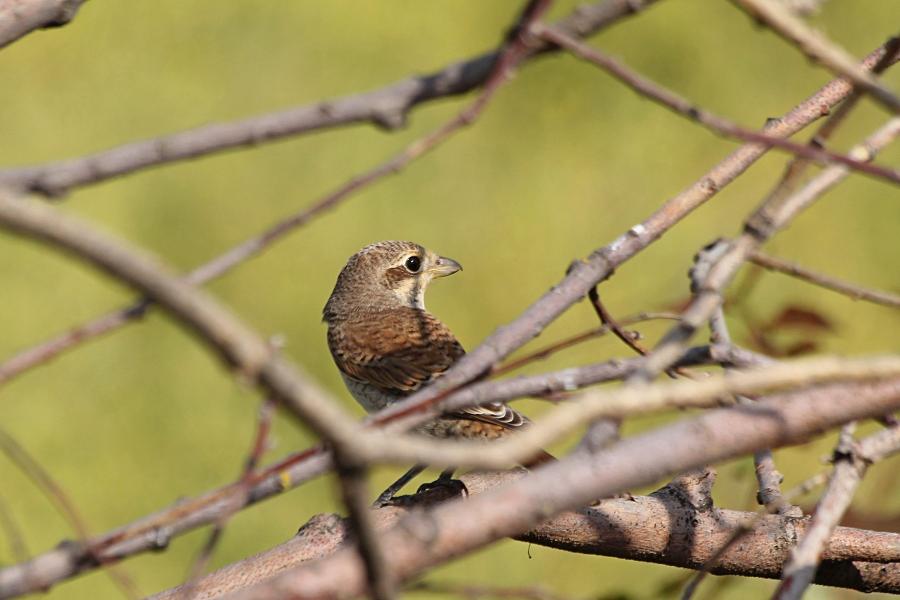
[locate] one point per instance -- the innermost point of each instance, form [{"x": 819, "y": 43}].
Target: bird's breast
[{"x": 369, "y": 397}]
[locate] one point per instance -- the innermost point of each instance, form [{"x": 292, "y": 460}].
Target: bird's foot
[
  {"x": 445, "y": 487},
  {"x": 385, "y": 499}
]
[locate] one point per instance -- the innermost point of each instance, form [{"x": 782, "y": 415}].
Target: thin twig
[
  {"x": 17, "y": 546},
  {"x": 462, "y": 526},
  {"x": 767, "y": 220},
  {"x": 768, "y": 477},
  {"x": 156, "y": 531},
  {"x": 798, "y": 165},
  {"x": 566, "y": 343},
  {"x": 64, "y": 505},
  {"x": 608, "y": 321},
  {"x": 846, "y": 476},
  {"x": 386, "y": 107},
  {"x": 257, "y": 449},
  {"x": 748, "y": 526},
  {"x": 819, "y": 48},
  {"x": 708, "y": 119},
  {"x": 834, "y": 284}
]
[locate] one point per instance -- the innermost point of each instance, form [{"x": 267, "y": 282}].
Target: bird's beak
[{"x": 444, "y": 266}]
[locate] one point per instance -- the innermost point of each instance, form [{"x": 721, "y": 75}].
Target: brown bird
[{"x": 387, "y": 345}]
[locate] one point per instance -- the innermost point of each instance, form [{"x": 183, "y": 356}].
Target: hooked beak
[{"x": 444, "y": 266}]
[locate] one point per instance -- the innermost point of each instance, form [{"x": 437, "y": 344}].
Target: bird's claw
[{"x": 446, "y": 486}]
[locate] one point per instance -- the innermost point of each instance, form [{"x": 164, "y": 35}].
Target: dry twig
[
  {"x": 401, "y": 97},
  {"x": 717, "y": 124},
  {"x": 856, "y": 292},
  {"x": 422, "y": 540},
  {"x": 819, "y": 48},
  {"x": 767, "y": 220}
]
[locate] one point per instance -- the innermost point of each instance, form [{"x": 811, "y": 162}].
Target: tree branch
[
  {"x": 386, "y": 107},
  {"x": 425, "y": 539},
  {"x": 237, "y": 344},
  {"x": 717, "y": 124},
  {"x": 850, "y": 467},
  {"x": 856, "y": 292},
  {"x": 772, "y": 216},
  {"x": 600, "y": 264},
  {"x": 156, "y": 531},
  {"x": 660, "y": 528},
  {"x": 819, "y": 48},
  {"x": 20, "y": 17}
]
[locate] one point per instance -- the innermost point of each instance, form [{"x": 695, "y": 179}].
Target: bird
[{"x": 387, "y": 345}]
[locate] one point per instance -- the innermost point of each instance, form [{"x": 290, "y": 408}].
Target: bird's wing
[
  {"x": 402, "y": 350},
  {"x": 397, "y": 351}
]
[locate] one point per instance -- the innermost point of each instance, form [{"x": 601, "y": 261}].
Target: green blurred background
[{"x": 563, "y": 161}]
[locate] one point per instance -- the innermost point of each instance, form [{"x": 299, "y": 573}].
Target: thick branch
[
  {"x": 157, "y": 530},
  {"x": 423, "y": 540},
  {"x": 850, "y": 465},
  {"x": 661, "y": 528}
]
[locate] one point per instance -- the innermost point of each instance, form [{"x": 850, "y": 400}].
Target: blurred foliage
[{"x": 563, "y": 161}]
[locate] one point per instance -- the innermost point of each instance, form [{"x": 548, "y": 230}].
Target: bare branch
[
  {"x": 423, "y": 540},
  {"x": 14, "y": 536},
  {"x": 61, "y": 501},
  {"x": 819, "y": 48},
  {"x": 660, "y": 528},
  {"x": 798, "y": 166},
  {"x": 584, "y": 21},
  {"x": 767, "y": 475},
  {"x": 156, "y": 531},
  {"x": 237, "y": 344},
  {"x": 849, "y": 469},
  {"x": 600, "y": 264},
  {"x": 768, "y": 219},
  {"x": 717, "y": 124},
  {"x": 20, "y": 17},
  {"x": 553, "y": 348},
  {"x": 834, "y": 284},
  {"x": 386, "y": 107}
]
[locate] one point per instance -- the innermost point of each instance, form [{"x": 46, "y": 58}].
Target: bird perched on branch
[{"x": 387, "y": 345}]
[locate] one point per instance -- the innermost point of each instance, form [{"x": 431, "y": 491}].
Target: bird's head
[{"x": 386, "y": 275}]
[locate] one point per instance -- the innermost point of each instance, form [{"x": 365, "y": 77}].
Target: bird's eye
[{"x": 413, "y": 263}]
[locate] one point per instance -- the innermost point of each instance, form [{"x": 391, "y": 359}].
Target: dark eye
[{"x": 413, "y": 263}]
